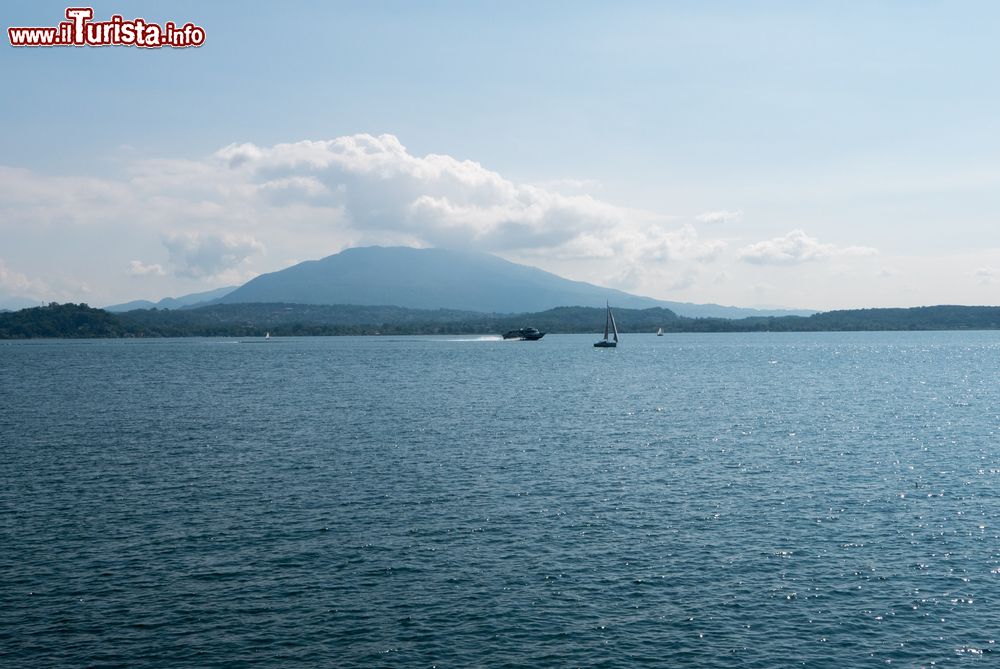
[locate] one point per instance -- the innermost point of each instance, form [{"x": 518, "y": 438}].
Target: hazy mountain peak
[
  {"x": 436, "y": 278},
  {"x": 173, "y": 302}
]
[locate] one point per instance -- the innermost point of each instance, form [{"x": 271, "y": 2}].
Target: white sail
[{"x": 613, "y": 324}]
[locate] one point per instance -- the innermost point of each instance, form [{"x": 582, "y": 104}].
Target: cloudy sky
[{"x": 810, "y": 155}]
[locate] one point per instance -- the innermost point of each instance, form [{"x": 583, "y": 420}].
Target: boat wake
[{"x": 482, "y": 338}]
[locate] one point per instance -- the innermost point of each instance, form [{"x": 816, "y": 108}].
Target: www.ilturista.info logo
[{"x": 80, "y": 30}]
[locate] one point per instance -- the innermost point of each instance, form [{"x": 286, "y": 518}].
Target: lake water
[{"x": 734, "y": 500}]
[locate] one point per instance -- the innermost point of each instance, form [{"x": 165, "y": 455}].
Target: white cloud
[
  {"x": 681, "y": 244},
  {"x": 987, "y": 275},
  {"x": 630, "y": 277},
  {"x": 796, "y": 247},
  {"x": 216, "y": 214},
  {"x": 309, "y": 186},
  {"x": 720, "y": 216},
  {"x": 138, "y": 268},
  {"x": 378, "y": 187},
  {"x": 29, "y": 199},
  {"x": 684, "y": 280},
  {"x": 199, "y": 255},
  {"x": 15, "y": 283},
  {"x": 314, "y": 197},
  {"x": 372, "y": 190}
]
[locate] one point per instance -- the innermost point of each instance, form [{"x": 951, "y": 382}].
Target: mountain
[
  {"x": 12, "y": 303},
  {"x": 444, "y": 279},
  {"x": 173, "y": 302}
]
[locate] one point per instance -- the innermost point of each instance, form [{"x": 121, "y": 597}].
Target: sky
[{"x": 815, "y": 155}]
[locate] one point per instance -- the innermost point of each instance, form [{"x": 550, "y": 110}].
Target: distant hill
[
  {"x": 249, "y": 319},
  {"x": 305, "y": 319},
  {"x": 173, "y": 302},
  {"x": 238, "y": 320},
  {"x": 443, "y": 279},
  {"x": 62, "y": 321},
  {"x": 12, "y": 303},
  {"x": 940, "y": 317}
]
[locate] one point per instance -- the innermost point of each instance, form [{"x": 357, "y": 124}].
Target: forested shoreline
[{"x": 256, "y": 319}]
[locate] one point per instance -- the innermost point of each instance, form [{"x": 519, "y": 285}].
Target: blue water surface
[{"x": 731, "y": 500}]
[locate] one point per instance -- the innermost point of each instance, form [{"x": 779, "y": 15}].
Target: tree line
[{"x": 254, "y": 319}]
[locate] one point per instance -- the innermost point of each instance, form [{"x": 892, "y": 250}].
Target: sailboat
[
  {"x": 659, "y": 332},
  {"x": 609, "y": 327},
  {"x": 267, "y": 336}
]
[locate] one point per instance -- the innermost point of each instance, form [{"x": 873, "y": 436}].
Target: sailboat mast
[{"x": 607, "y": 320}]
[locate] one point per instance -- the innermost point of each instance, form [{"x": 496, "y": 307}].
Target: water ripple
[{"x": 693, "y": 500}]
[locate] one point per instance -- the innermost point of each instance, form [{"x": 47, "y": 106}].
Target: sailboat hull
[{"x": 606, "y": 344}]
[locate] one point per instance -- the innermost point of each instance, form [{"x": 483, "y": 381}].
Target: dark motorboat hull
[
  {"x": 524, "y": 334},
  {"x": 606, "y": 344}
]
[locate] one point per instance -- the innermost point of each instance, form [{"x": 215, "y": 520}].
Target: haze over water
[{"x": 690, "y": 500}]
